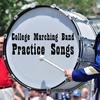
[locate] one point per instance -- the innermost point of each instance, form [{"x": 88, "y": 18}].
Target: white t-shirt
[{"x": 37, "y": 98}]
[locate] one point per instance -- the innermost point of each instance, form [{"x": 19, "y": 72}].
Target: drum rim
[
  {"x": 69, "y": 89},
  {"x": 6, "y": 35}
]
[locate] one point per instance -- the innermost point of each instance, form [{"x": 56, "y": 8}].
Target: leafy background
[{"x": 9, "y": 8}]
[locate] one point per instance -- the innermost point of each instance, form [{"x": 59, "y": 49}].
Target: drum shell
[{"x": 86, "y": 37}]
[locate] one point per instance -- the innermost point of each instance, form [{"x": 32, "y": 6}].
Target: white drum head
[{"x": 41, "y": 31}]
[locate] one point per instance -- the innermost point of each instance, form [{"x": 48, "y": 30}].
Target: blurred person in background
[
  {"x": 33, "y": 93},
  {"x": 65, "y": 96},
  {"x": 85, "y": 94},
  {"x": 76, "y": 95},
  {"x": 18, "y": 92},
  {"x": 42, "y": 96},
  {"x": 6, "y": 83}
]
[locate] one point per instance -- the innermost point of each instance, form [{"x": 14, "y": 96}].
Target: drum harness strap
[{"x": 97, "y": 42}]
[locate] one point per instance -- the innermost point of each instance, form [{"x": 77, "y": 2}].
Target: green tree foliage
[
  {"x": 83, "y": 6},
  {"x": 9, "y": 8}
]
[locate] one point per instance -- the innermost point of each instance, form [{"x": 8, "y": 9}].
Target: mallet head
[{"x": 41, "y": 57}]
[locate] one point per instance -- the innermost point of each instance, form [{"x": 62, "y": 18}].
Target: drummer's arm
[
  {"x": 88, "y": 73},
  {"x": 85, "y": 74}
]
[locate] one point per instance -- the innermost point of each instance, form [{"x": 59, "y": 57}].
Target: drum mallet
[{"x": 42, "y": 58}]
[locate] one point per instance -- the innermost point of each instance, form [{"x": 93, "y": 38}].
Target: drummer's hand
[{"x": 68, "y": 74}]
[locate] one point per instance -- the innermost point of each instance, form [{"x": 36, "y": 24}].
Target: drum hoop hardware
[
  {"x": 53, "y": 6},
  {"x": 32, "y": 6},
  {"x": 86, "y": 21},
  {"x": 15, "y": 17},
  {"x": 4, "y": 57},
  {"x": 70, "y": 89},
  {"x": 83, "y": 21},
  {"x": 13, "y": 77},
  {"x": 80, "y": 60},
  {"x": 88, "y": 45},
  {"x": 5, "y": 35}
]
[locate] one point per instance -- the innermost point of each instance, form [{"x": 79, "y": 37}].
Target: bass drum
[{"x": 52, "y": 33}]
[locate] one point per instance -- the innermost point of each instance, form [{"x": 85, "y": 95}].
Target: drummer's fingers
[{"x": 66, "y": 72}]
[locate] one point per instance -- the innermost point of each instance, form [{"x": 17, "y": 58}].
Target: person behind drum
[
  {"x": 6, "y": 83},
  {"x": 65, "y": 96},
  {"x": 76, "y": 95},
  {"x": 42, "y": 96},
  {"x": 84, "y": 94},
  {"x": 90, "y": 72},
  {"x": 18, "y": 92},
  {"x": 33, "y": 93}
]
